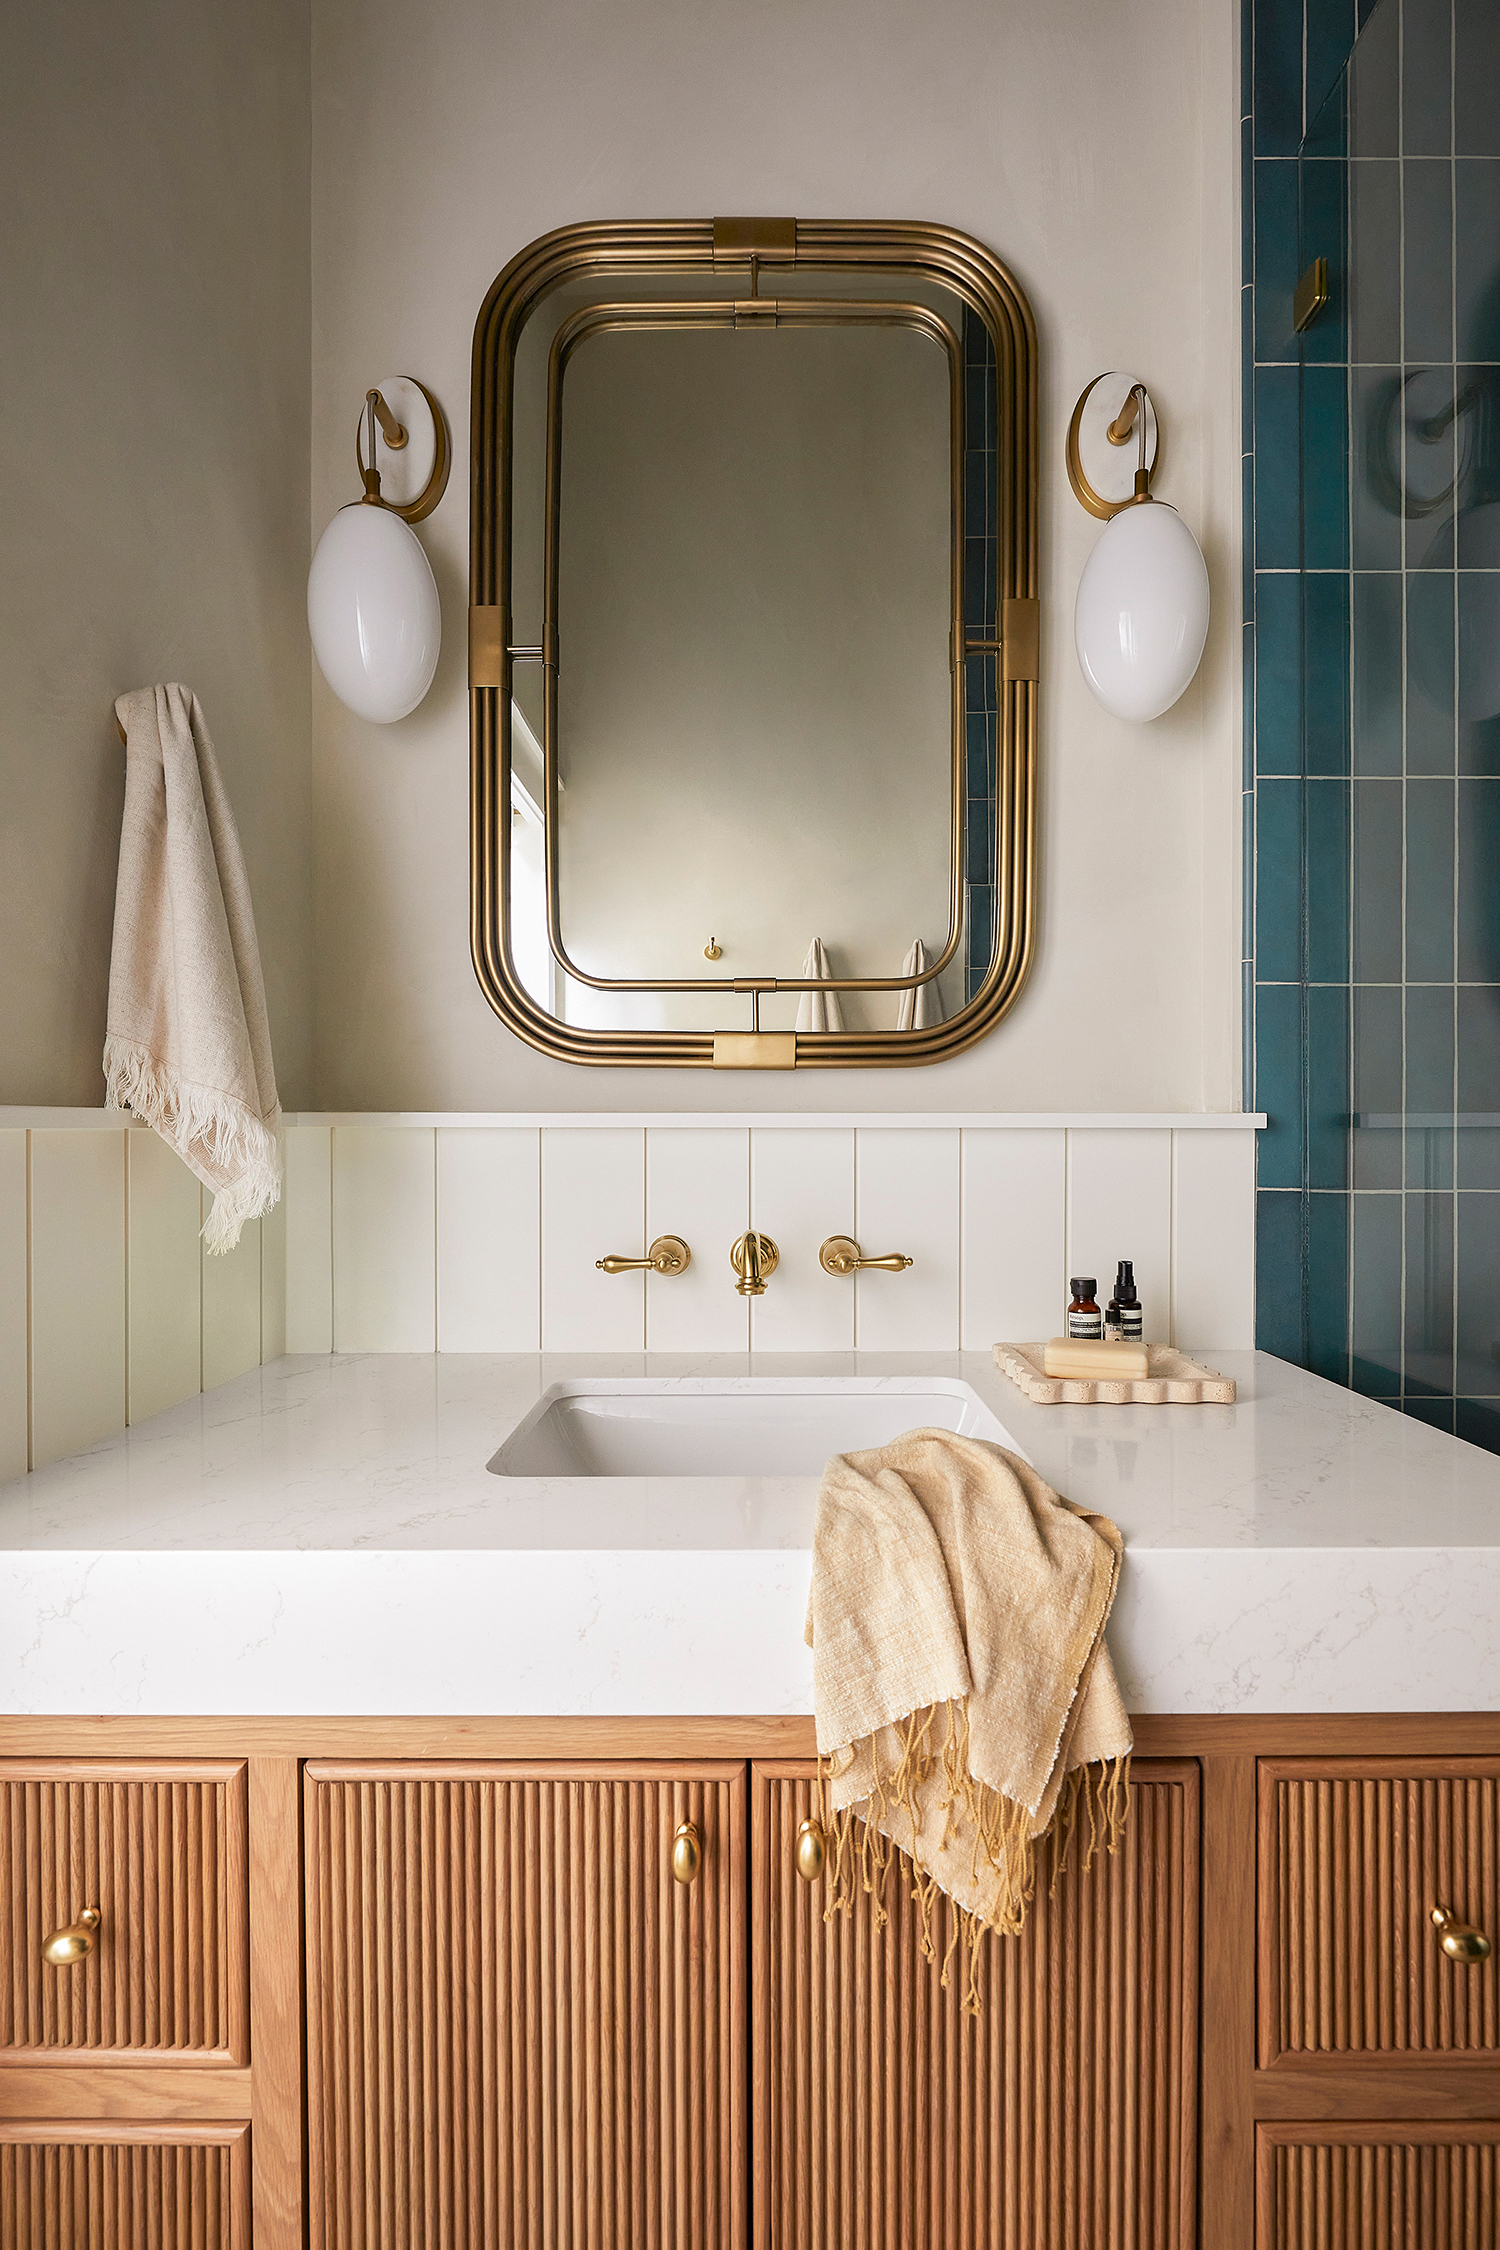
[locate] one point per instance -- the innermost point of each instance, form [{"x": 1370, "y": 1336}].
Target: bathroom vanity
[{"x": 377, "y": 1760}]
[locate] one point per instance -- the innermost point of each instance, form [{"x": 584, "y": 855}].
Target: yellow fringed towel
[{"x": 966, "y": 1702}]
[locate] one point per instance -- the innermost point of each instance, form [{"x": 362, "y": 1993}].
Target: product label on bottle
[
  {"x": 1086, "y": 1326},
  {"x": 1131, "y": 1323}
]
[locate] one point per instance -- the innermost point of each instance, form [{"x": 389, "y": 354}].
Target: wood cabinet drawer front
[
  {"x": 1353, "y": 1857},
  {"x": 1377, "y": 2187},
  {"x": 109, "y": 2187},
  {"x": 521, "y": 2029},
  {"x": 1064, "y": 2113},
  {"x": 161, "y": 1852}
]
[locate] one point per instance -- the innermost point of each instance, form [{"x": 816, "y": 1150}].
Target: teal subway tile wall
[{"x": 1371, "y": 137}]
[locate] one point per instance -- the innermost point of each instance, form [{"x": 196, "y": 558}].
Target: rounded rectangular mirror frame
[{"x": 927, "y": 253}]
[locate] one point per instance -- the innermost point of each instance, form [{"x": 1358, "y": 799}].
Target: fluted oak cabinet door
[
  {"x": 522, "y": 2030},
  {"x": 1062, "y": 2117},
  {"x": 69, "y": 2186},
  {"x": 1377, "y": 2187}
]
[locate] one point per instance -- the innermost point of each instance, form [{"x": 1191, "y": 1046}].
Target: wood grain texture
[
  {"x": 1353, "y": 1856},
  {"x": 1227, "y": 2121},
  {"x": 276, "y": 2001},
  {"x": 82, "y": 2186},
  {"x": 161, "y": 1850},
  {"x": 157, "y": 2093},
  {"x": 522, "y": 2031},
  {"x": 1377, "y": 2187},
  {"x": 1064, "y": 2115}
]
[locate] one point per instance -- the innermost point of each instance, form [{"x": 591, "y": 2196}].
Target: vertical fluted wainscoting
[
  {"x": 65, "y": 2187},
  {"x": 1378, "y": 2187},
  {"x": 163, "y": 1857},
  {"x": 1353, "y": 1863},
  {"x": 1063, "y": 2115},
  {"x": 521, "y": 2029}
]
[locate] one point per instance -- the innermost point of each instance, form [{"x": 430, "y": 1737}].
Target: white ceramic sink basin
[{"x": 745, "y": 1426}]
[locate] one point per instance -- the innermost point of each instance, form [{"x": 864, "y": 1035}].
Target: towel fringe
[{"x": 209, "y": 1131}]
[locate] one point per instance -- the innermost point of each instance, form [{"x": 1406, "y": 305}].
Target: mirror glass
[{"x": 765, "y": 765}]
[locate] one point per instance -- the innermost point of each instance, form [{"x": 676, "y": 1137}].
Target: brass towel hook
[{"x": 841, "y": 1254}]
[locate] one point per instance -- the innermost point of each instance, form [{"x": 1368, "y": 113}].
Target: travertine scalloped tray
[{"x": 1174, "y": 1380}]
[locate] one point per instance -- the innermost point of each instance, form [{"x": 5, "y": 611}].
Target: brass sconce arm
[
  {"x": 841, "y": 1255},
  {"x": 668, "y": 1255},
  {"x": 390, "y": 429}
]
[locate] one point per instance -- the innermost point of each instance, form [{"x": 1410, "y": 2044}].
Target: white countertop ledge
[{"x": 323, "y": 1536}]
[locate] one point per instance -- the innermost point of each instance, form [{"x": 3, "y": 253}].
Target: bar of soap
[{"x": 1083, "y": 1359}]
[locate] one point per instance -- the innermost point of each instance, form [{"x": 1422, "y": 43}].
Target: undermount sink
[{"x": 745, "y": 1426}]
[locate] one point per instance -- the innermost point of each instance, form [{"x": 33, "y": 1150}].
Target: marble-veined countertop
[{"x": 324, "y": 1536}]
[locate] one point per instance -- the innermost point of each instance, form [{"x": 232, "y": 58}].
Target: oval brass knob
[
  {"x": 841, "y": 1254},
  {"x": 74, "y": 1941},
  {"x": 668, "y": 1255},
  {"x": 687, "y": 1854},
  {"x": 810, "y": 1852},
  {"x": 1461, "y": 1941}
]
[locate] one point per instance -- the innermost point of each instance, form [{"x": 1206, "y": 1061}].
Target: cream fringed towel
[
  {"x": 187, "y": 1044},
  {"x": 966, "y": 1702},
  {"x": 818, "y": 1011},
  {"x": 921, "y": 1005}
]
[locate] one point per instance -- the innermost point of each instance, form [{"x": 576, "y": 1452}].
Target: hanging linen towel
[
  {"x": 966, "y": 1702},
  {"x": 187, "y": 1045},
  {"x": 818, "y": 1011},
  {"x": 921, "y": 1007}
]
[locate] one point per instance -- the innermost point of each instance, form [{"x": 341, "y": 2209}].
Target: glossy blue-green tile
[
  {"x": 1247, "y": 705},
  {"x": 1278, "y": 540},
  {"x": 1276, "y": 250},
  {"x": 1278, "y": 77},
  {"x": 1278, "y": 882},
  {"x": 1476, "y": 74},
  {"x": 1321, "y": 234},
  {"x": 1278, "y": 1083},
  {"x": 1431, "y": 739},
  {"x": 1427, "y": 1318},
  {"x": 1247, "y": 196},
  {"x": 1375, "y": 1323},
  {"x": 1327, "y": 1085},
  {"x": 1247, "y": 365},
  {"x": 1328, "y": 1286},
  {"x": 1378, "y": 1085},
  {"x": 1374, "y": 256},
  {"x": 1375, "y": 745},
  {"x": 1325, "y": 468},
  {"x": 1477, "y": 1258},
  {"x": 1247, "y": 543},
  {"x": 1477, "y": 220},
  {"x": 1374, "y": 81},
  {"x": 1427, "y": 269},
  {"x": 1477, "y": 1421},
  {"x": 1247, "y": 1032},
  {"x": 1429, "y": 881},
  {"x": 1325, "y": 602},
  {"x": 976, "y": 769},
  {"x": 1375, "y": 468},
  {"x": 1478, "y": 686},
  {"x": 1437, "y": 1413},
  {"x": 1478, "y": 1139},
  {"x": 1247, "y": 870},
  {"x": 1278, "y": 672},
  {"x": 1429, "y": 1085},
  {"x": 1479, "y": 882},
  {"x": 1377, "y": 882},
  {"x": 1327, "y": 881},
  {"x": 1278, "y": 1275},
  {"x": 1365, "y": 9},
  {"x": 1329, "y": 36},
  {"x": 1426, "y": 77},
  {"x": 979, "y": 846},
  {"x": 981, "y": 943}
]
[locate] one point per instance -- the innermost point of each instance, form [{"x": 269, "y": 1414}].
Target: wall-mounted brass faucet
[
  {"x": 754, "y": 1258},
  {"x": 668, "y": 1255},
  {"x": 841, "y": 1254}
]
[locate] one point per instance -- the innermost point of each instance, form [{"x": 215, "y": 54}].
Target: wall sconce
[
  {"x": 1141, "y": 617},
  {"x": 372, "y": 601}
]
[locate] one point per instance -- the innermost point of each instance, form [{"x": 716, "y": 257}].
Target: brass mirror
[{"x": 753, "y": 643}]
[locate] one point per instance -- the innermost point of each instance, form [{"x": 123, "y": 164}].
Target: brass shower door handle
[
  {"x": 1461, "y": 1941},
  {"x": 74, "y": 1942},
  {"x": 841, "y": 1254},
  {"x": 668, "y": 1255}
]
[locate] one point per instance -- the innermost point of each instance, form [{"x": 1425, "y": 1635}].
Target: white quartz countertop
[{"x": 324, "y": 1536}]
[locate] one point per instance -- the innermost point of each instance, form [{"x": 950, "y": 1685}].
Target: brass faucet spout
[{"x": 754, "y": 1258}]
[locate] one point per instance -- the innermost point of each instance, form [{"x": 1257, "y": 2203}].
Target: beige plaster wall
[
  {"x": 154, "y": 445},
  {"x": 1094, "y": 149}
]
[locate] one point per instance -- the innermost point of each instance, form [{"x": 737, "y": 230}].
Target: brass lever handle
[
  {"x": 1461, "y": 1941},
  {"x": 841, "y": 1254},
  {"x": 74, "y": 1941},
  {"x": 810, "y": 1852},
  {"x": 668, "y": 1255},
  {"x": 687, "y": 1853}
]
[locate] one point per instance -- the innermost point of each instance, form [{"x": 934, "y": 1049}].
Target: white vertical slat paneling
[
  {"x": 231, "y": 1307},
  {"x": 906, "y": 1198},
  {"x": 1014, "y": 1235},
  {"x": 1120, "y": 1206},
  {"x": 489, "y": 1276},
  {"x": 307, "y": 1191},
  {"x": 14, "y": 1441},
  {"x": 1213, "y": 1241},
  {"x": 593, "y": 1204},
  {"x": 165, "y": 1326},
  {"x": 384, "y": 1238},
  {"x": 77, "y": 1290},
  {"x": 801, "y": 1191},
  {"x": 273, "y": 1276},
  {"x": 698, "y": 1186}
]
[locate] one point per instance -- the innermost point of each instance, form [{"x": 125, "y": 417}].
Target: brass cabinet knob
[
  {"x": 668, "y": 1255},
  {"x": 687, "y": 1853},
  {"x": 810, "y": 1852},
  {"x": 841, "y": 1254},
  {"x": 1461, "y": 1941},
  {"x": 74, "y": 1941},
  {"x": 754, "y": 1258}
]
